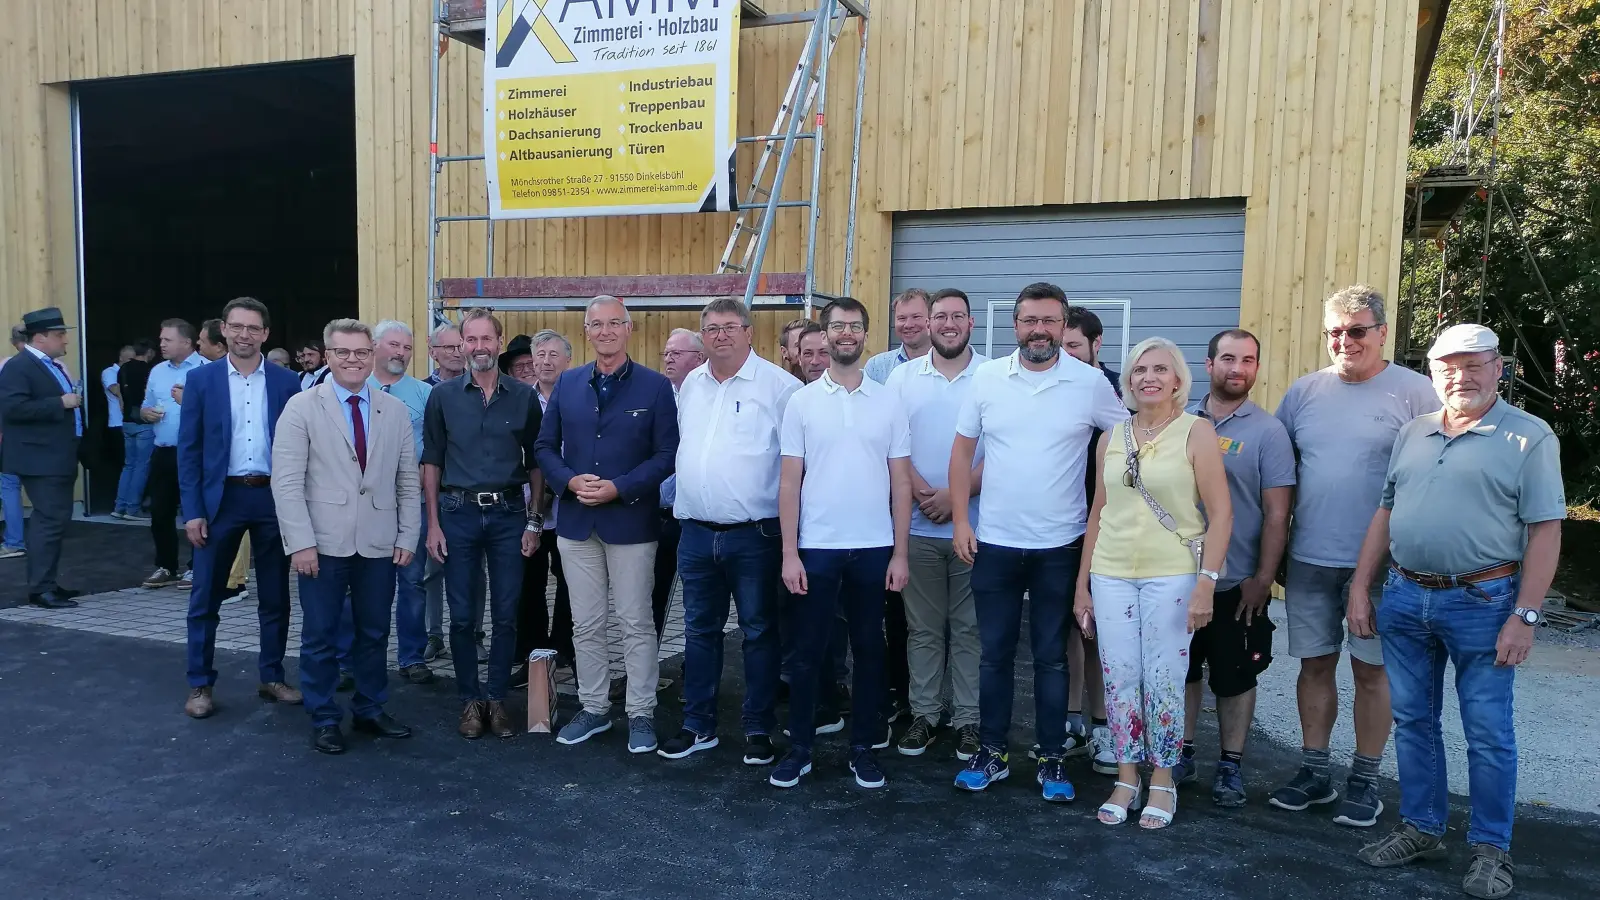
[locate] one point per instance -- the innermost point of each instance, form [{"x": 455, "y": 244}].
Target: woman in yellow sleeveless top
[{"x": 1144, "y": 592}]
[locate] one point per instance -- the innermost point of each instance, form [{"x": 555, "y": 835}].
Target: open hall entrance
[{"x": 197, "y": 188}]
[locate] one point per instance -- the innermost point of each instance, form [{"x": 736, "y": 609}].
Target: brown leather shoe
[
  {"x": 499, "y": 719},
  {"x": 278, "y": 692},
  {"x": 200, "y": 704},
  {"x": 474, "y": 719}
]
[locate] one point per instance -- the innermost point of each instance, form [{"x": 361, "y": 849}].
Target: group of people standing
[{"x": 929, "y": 485}]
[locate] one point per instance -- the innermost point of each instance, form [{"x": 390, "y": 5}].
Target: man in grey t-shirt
[
  {"x": 1237, "y": 645},
  {"x": 1343, "y": 421}
]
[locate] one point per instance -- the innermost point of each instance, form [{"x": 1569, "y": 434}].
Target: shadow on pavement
[{"x": 95, "y": 557}]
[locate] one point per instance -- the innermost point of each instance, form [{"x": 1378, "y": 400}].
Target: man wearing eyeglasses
[
  {"x": 444, "y": 348},
  {"x": 1038, "y": 404},
  {"x": 609, "y": 435},
  {"x": 1343, "y": 421},
  {"x": 726, "y": 502},
  {"x": 230, "y": 411},
  {"x": 684, "y": 352}
]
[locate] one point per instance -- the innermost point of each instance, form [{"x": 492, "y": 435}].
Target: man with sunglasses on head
[{"x": 1343, "y": 421}]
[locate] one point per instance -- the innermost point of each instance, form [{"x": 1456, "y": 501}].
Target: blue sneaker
[
  {"x": 1185, "y": 771},
  {"x": 1305, "y": 789},
  {"x": 583, "y": 726},
  {"x": 985, "y": 769},
  {"x": 1053, "y": 779},
  {"x": 1227, "y": 790},
  {"x": 865, "y": 767},
  {"x": 795, "y": 764}
]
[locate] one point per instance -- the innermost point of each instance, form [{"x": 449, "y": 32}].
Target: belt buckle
[{"x": 493, "y": 498}]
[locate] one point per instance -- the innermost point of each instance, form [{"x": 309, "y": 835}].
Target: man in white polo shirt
[
  {"x": 942, "y": 625},
  {"x": 845, "y": 506},
  {"x": 1034, "y": 411},
  {"x": 729, "y": 414}
]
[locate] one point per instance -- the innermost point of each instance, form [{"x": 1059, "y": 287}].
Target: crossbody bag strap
[{"x": 1165, "y": 518}]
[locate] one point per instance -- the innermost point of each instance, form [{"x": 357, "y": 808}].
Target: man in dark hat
[{"x": 42, "y": 414}]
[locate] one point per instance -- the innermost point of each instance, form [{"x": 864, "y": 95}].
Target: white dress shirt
[
  {"x": 728, "y": 445},
  {"x": 250, "y": 451},
  {"x": 846, "y": 439},
  {"x": 931, "y": 403},
  {"x": 1035, "y": 429}
]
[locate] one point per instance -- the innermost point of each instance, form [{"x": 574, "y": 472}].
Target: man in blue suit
[
  {"x": 608, "y": 440},
  {"x": 230, "y": 410}
]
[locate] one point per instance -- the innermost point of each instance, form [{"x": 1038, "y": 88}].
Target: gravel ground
[{"x": 1558, "y": 690}]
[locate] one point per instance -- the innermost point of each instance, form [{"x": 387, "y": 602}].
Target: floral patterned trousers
[{"x": 1143, "y": 634}]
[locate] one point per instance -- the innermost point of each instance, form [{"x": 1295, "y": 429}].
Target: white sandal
[
  {"x": 1157, "y": 813},
  {"x": 1119, "y": 814}
]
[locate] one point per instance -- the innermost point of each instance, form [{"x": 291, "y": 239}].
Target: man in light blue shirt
[
  {"x": 911, "y": 311},
  {"x": 161, "y": 408},
  {"x": 392, "y": 348}
]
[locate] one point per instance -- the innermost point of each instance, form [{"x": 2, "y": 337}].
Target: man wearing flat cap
[
  {"x": 42, "y": 414},
  {"x": 1469, "y": 525}
]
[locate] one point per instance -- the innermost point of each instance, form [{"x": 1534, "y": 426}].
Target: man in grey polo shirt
[
  {"x": 1343, "y": 421},
  {"x": 1237, "y": 645},
  {"x": 1471, "y": 515}
]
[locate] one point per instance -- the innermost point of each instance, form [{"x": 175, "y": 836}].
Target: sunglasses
[{"x": 1354, "y": 332}]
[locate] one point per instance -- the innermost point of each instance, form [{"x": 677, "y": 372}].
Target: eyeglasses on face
[
  {"x": 1471, "y": 369},
  {"x": 613, "y": 324},
  {"x": 842, "y": 327},
  {"x": 251, "y": 330},
  {"x": 448, "y": 348},
  {"x": 1354, "y": 332},
  {"x": 712, "y": 331},
  {"x": 674, "y": 354},
  {"x": 361, "y": 354},
  {"x": 949, "y": 317},
  {"x": 1037, "y": 321}
]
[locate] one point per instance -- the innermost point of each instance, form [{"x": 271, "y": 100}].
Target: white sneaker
[
  {"x": 1105, "y": 750},
  {"x": 160, "y": 578},
  {"x": 188, "y": 579}
]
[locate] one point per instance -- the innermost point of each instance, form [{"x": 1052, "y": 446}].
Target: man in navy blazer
[
  {"x": 230, "y": 410},
  {"x": 608, "y": 440}
]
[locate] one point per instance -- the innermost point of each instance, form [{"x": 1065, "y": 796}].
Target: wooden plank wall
[{"x": 1299, "y": 106}]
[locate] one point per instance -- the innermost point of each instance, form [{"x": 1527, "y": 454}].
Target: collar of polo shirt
[
  {"x": 868, "y": 386},
  {"x": 1057, "y": 372},
  {"x": 1489, "y": 424},
  {"x": 747, "y": 371},
  {"x": 924, "y": 365}
]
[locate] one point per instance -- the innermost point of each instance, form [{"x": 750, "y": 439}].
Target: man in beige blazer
[{"x": 344, "y": 479}]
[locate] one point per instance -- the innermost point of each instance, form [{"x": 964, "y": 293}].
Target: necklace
[{"x": 1150, "y": 433}]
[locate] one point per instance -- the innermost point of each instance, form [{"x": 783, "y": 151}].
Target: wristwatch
[
  {"x": 1214, "y": 576},
  {"x": 1528, "y": 616}
]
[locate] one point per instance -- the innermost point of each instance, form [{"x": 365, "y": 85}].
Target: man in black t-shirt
[{"x": 138, "y": 437}]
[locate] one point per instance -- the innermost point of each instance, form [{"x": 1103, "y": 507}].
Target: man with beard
[
  {"x": 608, "y": 440},
  {"x": 729, "y": 414},
  {"x": 391, "y": 362},
  {"x": 1237, "y": 644},
  {"x": 477, "y": 458},
  {"x": 444, "y": 348},
  {"x": 1471, "y": 515},
  {"x": 1343, "y": 421},
  {"x": 230, "y": 411},
  {"x": 1036, "y": 404},
  {"x": 938, "y": 596},
  {"x": 844, "y": 504}
]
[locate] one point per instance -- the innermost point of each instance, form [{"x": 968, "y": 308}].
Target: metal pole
[
  {"x": 1494, "y": 147},
  {"x": 855, "y": 163},
  {"x": 754, "y": 269},
  {"x": 433, "y": 175},
  {"x": 828, "y": 8},
  {"x": 84, "y": 381},
  {"x": 488, "y": 252}
]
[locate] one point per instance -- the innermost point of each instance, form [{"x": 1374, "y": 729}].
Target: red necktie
[{"x": 360, "y": 429}]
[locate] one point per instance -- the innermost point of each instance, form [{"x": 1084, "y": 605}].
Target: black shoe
[
  {"x": 685, "y": 743},
  {"x": 898, "y": 709},
  {"x": 383, "y": 726},
  {"x": 758, "y": 750},
  {"x": 347, "y": 682},
  {"x": 327, "y": 739},
  {"x": 52, "y": 600},
  {"x": 68, "y": 593},
  {"x": 842, "y": 691},
  {"x": 519, "y": 677},
  {"x": 417, "y": 673}
]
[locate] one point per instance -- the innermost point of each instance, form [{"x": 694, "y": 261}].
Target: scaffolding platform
[
  {"x": 1443, "y": 191},
  {"x": 558, "y": 292}
]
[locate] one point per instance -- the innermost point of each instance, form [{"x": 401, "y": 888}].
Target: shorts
[
  {"x": 1315, "y": 598},
  {"x": 1236, "y": 654}
]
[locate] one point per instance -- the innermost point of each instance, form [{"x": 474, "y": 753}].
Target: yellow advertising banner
[{"x": 610, "y": 107}]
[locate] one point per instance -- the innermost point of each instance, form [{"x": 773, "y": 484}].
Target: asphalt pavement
[{"x": 108, "y": 791}]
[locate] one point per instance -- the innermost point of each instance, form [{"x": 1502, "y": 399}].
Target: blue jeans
[
  {"x": 472, "y": 535},
  {"x": 410, "y": 604},
  {"x": 1421, "y": 628},
  {"x": 1000, "y": 578},
  {"x": 744, "y": 562},
  {"x": 243, "y": 509},
  {"x": 11, "y": 498},
  {"x": 364, "y": 587},
  {"x": 851, "y": 580},
  {"x": 137, "y": 443}
]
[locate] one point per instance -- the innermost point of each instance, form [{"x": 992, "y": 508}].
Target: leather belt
[
  {"x": 729, "y": 526},
  {"x": 1440, "y": 582},
  {"x": 484, "y": 499},
  {"x": 250, "y": 480}
]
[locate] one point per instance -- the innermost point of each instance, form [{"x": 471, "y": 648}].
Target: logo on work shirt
[{"x": 1230, "y": 447}]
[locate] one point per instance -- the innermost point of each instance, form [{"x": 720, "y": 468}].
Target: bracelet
[{"x": 533, "y": 527}]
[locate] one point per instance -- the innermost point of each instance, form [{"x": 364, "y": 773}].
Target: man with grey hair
[
  {"x": 444, "y": 347},
  {"x": 1342, "y": 421},
  {"x": 1471, "y": 517},
  {"x": 683, "y": 353},
  {"x": 390, "y": 374}
]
